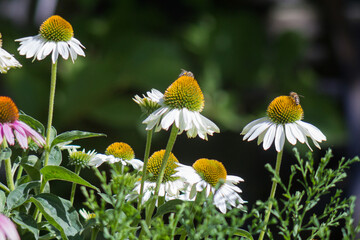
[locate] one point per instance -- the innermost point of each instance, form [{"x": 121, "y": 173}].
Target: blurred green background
[{"x": 243, "y": 54}]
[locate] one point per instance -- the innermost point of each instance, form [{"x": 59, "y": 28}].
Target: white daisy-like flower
[
  {"x": 117, "y": 152},
  {"x": 7, "y": 60},
  {"x": 181, "y": 104},
  {"x": 171, "y": 185},
  {"x": 149, "y": 102},
  {"x": 284, "y": 119},
  {"x": 86, "y": 215},
  {"x": 80, "y": 158},
  {"x": 56, "y": 35},
  {"x": 204, "y": 175}
]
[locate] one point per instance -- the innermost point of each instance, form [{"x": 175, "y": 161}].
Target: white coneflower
[
  {"x": 284, "y": 119},
  {"x": 181, "y": 105},
  {"x": 7, "y": 60},
  {"x": 204, "y": 175},
  {"x": 117, "y": 152},
  {"x": 170, "y": 186},
  {"x": 56, "y": 35}
]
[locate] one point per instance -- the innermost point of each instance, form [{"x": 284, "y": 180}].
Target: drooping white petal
[
  {"x": 261, "y": 127},
  {"x": 289, "y": 135},
  {"x": 269, "y": 137},
  {"x": 279, "y": 138},
  {"x": 251, "y": 124}
]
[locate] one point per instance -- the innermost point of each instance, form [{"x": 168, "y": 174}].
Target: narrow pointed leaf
[
  {"x": 167, "y": 207},
  {"x": 74, "y": 135},
  {"x": 61, "y": 173}
]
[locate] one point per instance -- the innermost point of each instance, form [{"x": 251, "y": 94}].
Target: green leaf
[
  {"x": 61, "y": 173},
  {"x": 20, "y": 194},
  {"x": 169, "y": 206},
  {"x": 2, "y": 201},
  {"x": 74, "y": 135},
  {"x": 5, "y": 153},
  {"x": 60, "y": 213},
  {"x": 55, "y": 156},
  {"x": 243, "y": 233},
  {"x": 33, "y": 172},
  {"x": 26, "y": 222},
  {"x": 32, "y": 122}
]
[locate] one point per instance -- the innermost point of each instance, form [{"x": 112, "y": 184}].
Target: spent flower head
[
  {"x": 56, "y": 35},
  {"x": 181, "y": 105},
  {"x": 211, "y": 176},
  {"x": 7, "y": 60},
  {"x": 284, "y": 119},
  {"x": 11, "y": 127},
  {"x": 117, "y": 152}
]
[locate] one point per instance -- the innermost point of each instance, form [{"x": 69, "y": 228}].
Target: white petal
[
  {"x": 269, "y": 137},
  {"x": 313, "y": 131},
  {"x": 279, "y": 138},
  {"x": 251, "y": 124},
  {"x": 260, "y": 129},
  {"x": 290, "y": 137},
  {"x": 297, "y": 133}
]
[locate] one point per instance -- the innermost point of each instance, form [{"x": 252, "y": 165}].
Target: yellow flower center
[
  {"x": 185, "y": 93},
  {"x": 284, "y": 109},
  {"x": 56, "y": 29},
  {"x": 8, "y": 110},
  {"x": 0, "y": 41},
  {"x": 120, "y": 150},
  {"x": 154, "y": 164},
  {"x": 210, "y": 170}
]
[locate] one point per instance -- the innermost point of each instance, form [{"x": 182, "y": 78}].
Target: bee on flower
[
  {"x": 283, "y": 120},
  {"x": 181, "y": 105}
]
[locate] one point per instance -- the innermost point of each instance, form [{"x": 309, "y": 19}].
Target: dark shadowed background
[{"x": 243, "y": 54}]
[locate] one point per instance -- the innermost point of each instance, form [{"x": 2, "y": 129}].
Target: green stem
[
  {"x": 94, "y": 233},
  {"x": 51, "y": 111},
  {"x": 169, "y": 146},
  {"x": 272, "y": 194},
  {"x": 3, "y": 187},
  {"x": 48, "y": 129},
  {"x": 9, "y": 176},
  {"x": 146, "y": 157},
  {"x": 73, "y": 188}
]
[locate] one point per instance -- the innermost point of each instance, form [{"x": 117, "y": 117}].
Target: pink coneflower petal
[
  {"x": 8, "y": 229},
  {"x": 8, "y": 134}
]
